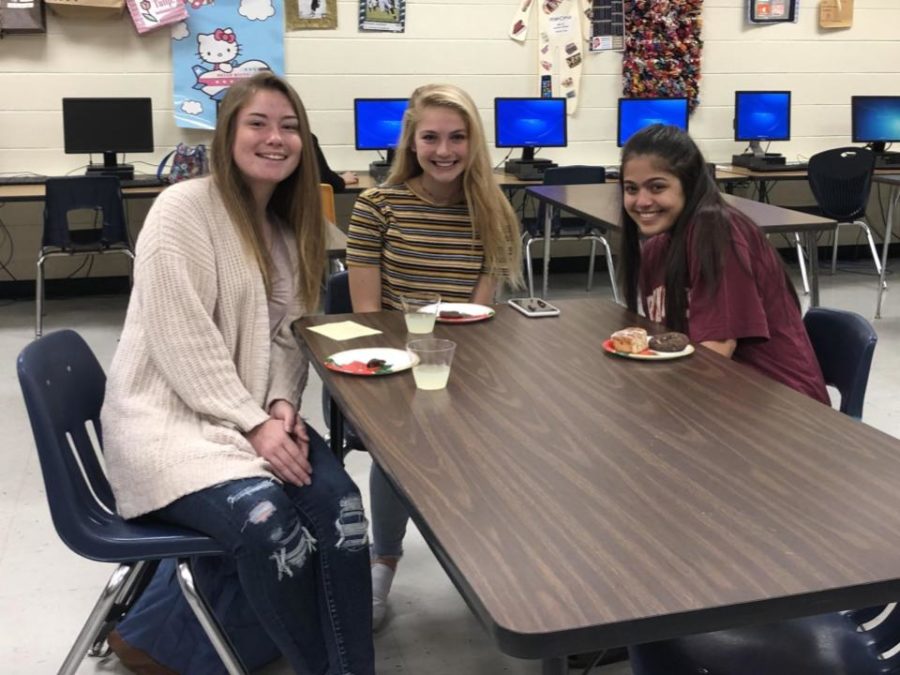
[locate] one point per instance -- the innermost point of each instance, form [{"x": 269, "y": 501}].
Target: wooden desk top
[
  {"x": 34, "y": 192},
  {"x": 580, "y": 500},
  {"x": 602, "y": 204}
]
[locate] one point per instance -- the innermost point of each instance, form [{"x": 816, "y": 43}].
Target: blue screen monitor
[
  {"x": 637, "y": 113},
  {"x": 762, "y": 116},
  {"x": 875, "y": 120},
  {"x": 530, "y": 123},
  {"x": 377, "y": 122}
]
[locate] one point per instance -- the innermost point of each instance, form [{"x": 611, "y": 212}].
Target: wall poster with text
[{"x": 218, "y": 44}]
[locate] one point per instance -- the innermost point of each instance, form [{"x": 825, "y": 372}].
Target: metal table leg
[
  {"x": 558, "y": 665},
  {"x": 888, "y": 228},
  {"x": 549, "y": 212},
  {"x": 812, "y": 254}
]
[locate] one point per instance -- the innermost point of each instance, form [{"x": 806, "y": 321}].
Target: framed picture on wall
[{"x": 772, "y": 11}]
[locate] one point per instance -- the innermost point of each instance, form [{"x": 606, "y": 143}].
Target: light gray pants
[{"x": 388, "y": 516}]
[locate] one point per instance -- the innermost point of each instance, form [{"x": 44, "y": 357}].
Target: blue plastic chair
[
  {"x": 63, "y": 386},
  {"x": 569, "y": 228},
  {"x": 841, "y": 642},
  {"x": 836, "y": 643},
  {"x": 103, "y": 195},
  {"x": 844, "y": 343}
]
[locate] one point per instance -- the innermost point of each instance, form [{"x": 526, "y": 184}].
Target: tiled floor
[{"x": 46, "y": 591}]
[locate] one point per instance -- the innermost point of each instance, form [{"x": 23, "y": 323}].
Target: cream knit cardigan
[{"x": 196, "y": 365}]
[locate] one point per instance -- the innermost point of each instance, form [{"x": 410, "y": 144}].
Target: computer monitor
[
  {"x": 108, "y": 126},
  {"x": 875, "y": 120},
  {"x": 530, "y": 123},
  {"x": 762, "y": 116},
  {"x": 377, "y": 123},
  {"x": 637, "y": 113}
]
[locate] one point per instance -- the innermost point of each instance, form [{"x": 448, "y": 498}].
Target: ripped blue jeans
[{"x": 302, "y": 559}]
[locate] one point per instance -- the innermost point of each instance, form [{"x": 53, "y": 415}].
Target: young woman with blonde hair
[
  {"x": 439, "y": 223},
  {"x": 201, "y": 415}
]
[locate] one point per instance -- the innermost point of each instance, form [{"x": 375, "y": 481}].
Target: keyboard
[{"x": 762, "y": 167}]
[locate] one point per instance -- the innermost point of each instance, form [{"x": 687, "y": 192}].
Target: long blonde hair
[
  {"x": 295, "y": 203},
  {"x": 493, "y": 220}
]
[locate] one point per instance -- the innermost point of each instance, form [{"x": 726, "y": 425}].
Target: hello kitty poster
[{"x": 220, "y": 42}]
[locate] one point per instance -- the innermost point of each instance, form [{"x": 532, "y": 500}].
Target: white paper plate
[
  {"x": 354, "y": 361},
  {"x": 471, "y": 312},
  {"x": 649, "y": 354}
]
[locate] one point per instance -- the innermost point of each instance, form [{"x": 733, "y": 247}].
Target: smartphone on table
[{"x": 533, "y": 307}]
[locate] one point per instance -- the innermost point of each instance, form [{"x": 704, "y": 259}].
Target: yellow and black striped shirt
[{"x": 418, "y": 246}]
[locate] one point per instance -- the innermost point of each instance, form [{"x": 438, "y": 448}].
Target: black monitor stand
[
  {"x": 379, "y": 170},
  {"x": 111, "y": 167},
  {"x": 883, "y": 158}
]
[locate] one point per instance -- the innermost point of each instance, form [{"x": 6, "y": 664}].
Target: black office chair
[
  {"x": 840, "y": 180},
  {"x": 63, "y": 386},
  {"x": 103, "y": 195},
  {"x": 569, "y": 228},
  {"x": 844, "y": 343},
  {"x": 337, "y": 301}
]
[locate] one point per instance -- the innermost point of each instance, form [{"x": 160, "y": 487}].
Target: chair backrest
[
  {"x": 63, "y": 385},
  {"x": 844, "y": 343},
  {"x": 577, "y": 174},
  {"x": 84, "y": 192},
  {"x": 337, "y": 294},
  {"x": 840, "y": 180},
  {"x": 327, "y": 195}
]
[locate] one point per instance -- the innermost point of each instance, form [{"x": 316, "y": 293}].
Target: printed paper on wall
[{"x": 217, "y": 45}]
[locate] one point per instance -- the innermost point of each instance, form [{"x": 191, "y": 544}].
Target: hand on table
[{"x": 350, "y": 178}]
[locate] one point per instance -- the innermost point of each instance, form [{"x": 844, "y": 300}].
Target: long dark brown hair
[
  {"x": 295, "y": 203},
  {"x": 673, "y": 151}
]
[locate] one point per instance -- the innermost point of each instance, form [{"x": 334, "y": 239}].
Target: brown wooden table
[
  {"x": 580, "y": 500},
  {"x": 602, "y": 204}
]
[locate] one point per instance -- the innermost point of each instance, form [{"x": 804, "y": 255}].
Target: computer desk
[{"x": 335, "y": 244}]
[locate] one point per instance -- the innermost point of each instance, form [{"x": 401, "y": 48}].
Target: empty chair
[
  {"x": 840, "y": 180},
  {"x": 103, "y": 195},
  {"x": 569, "y": 228},
  {"x": 63, "y": 386},
  {"x": 859, "y": 641},
  {"x": 831, "y": 643},
  {"x": 844, "y": 343}
]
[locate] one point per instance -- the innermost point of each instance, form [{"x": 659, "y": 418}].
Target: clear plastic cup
[
  {"x": 434, "y": 358},
  {"x": 420, "y": 311}
]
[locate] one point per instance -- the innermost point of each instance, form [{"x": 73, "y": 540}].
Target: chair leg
[
  {"x": 208, "y": 621},
  {"x": 39, "y": 298},
  {"x": 868, "y": 231},
  {"x": 120, "y": 577},
  {"x": 611, "y": 269},
  {"x": 834, "y": 246},
  {"x": 802, "y": 260},
  {"x": 125, "y": 598},
  {"x": 590, "y": 281},
  {"x": 529, "y": 266}
]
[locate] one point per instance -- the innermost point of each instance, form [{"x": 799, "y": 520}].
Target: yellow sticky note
[{"x": 344, "y": 330}]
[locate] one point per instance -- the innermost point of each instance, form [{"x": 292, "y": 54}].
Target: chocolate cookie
[{"x": 669, "y": 342}]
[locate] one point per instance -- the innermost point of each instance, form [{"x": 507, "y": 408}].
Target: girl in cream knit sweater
[{"x": 200, "y": 421}]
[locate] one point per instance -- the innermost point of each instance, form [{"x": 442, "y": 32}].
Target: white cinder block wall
[{"x": 458, "y": 41}]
